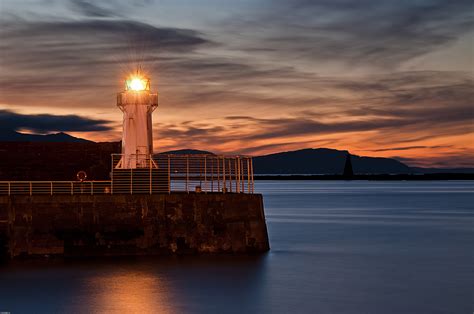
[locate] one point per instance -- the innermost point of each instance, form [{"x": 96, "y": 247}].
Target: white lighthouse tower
[{"x": 137, "y": 104}]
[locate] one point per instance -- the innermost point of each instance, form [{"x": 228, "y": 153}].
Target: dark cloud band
[{"x": 46, "y": 123}]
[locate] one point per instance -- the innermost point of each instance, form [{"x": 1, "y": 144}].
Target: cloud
[
  {"x": 367, "y": 32},
  {"x": 256, "y": 81},
  {"x": 90, "y": 9},
  {"x": 446, "y": 160},
  {"x": 81, "y": 62},
  {"x": 382, "y": 111},
  {"x": 438, "y": 103},
  {"x": 95, "y": 36},
  {"x": 46, "y": 123},
  {"x": 105, "y": 9},
  {"x": 75, "y": 54}
]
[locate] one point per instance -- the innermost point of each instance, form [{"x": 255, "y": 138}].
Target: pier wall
[{"x": 101, "y": 225}]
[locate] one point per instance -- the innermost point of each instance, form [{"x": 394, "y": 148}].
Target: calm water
[{"x": 337, "y": 247}]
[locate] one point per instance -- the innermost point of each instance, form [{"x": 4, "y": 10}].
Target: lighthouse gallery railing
[{"x": 163, "y": 173}]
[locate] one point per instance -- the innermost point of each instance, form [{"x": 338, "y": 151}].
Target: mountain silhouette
[
  {"x": 12, "y": 136},
  {"x": 324, "y": 161},
  {"x": 46, "y": 152},
  {"x": 35, "y": 160}
]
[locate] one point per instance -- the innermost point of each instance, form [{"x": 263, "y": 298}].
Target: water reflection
[
  {"x": 187, "y": 284},
  {"x": 129, "y": 292}
]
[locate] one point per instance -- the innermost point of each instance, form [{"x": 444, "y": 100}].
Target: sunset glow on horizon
[{"x": 377, "y": 78}]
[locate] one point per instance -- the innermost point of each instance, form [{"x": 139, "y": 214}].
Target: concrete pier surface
[{"x": 109, "y": 225}]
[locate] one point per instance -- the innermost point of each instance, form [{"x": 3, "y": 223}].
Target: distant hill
[
  {"x": 55, "y": 161},
  {"x": 324, "y": 161},
  {"x": 60, "y": 155},
  {"x": 442, "y": 170},
  {"x": 12, "y": 136},
  {"x": 327, "y": 161}
]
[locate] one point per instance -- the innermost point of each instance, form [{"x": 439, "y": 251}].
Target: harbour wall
[{"x": 113, "y": 225}]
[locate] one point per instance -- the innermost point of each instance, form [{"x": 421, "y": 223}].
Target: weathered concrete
[{"x": 92, "y": 225}]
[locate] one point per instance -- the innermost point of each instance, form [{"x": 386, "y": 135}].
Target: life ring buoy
[{"x": 81, "y": 176}]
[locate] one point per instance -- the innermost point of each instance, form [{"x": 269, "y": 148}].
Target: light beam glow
[{"x": 136, "y": 83}]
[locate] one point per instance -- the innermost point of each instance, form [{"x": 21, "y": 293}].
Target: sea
[{"x": 336, "y": 247}]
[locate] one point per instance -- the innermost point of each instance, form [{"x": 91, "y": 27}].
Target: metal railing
[
  {"x": 54, "y": 187},
  {"x": 149, "y": 174},
  {"x": 167, "y": 173}
]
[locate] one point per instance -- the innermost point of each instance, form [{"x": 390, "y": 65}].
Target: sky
[{"x": 375, "y": 77}]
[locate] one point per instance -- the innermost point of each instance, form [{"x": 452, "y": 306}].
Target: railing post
[
  {"x": 112, "y": 176},
  {"x": 187, "y": 173},
  {"x": 212, "y": 174},
  {"x": 72, "y": 188},
  {"x": 169, "y": 175},
  {"x": 237, "y": 167},
  {"x": 9, "y": 188},
  {"x": 242, "y": 176},
  {"x": 151, "y": 190},
  {"x": 230, "y": 175},
  {"x": 131, "y": 180},
  {"x": 31, "y": 188},
  {"x": 223, "y": 174},
  {"x": 205, "y": 174},
  {"x": 51, "y": 183},
  {"x": 218, "y": 176},
  {"x": 248, "y": 175},
  {"x": 92, "y": 187},
  {"x": 251, "y": 173}
]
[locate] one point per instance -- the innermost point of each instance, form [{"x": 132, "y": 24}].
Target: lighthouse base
[{"x": 108, "y": 225}]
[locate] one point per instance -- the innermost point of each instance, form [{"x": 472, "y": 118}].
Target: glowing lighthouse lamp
[{"x": 137, "y": 104}]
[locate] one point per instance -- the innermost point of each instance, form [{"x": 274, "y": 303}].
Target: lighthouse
[{"x": 137, "y": 103}]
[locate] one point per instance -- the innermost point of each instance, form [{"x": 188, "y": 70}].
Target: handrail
[
  {"x": 54, "y": 187},
  {"x": 55, "y": 181},
  {"x": 162, "y": 173}
]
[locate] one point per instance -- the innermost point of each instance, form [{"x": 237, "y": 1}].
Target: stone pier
[{"x": 112, "y": 225}]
